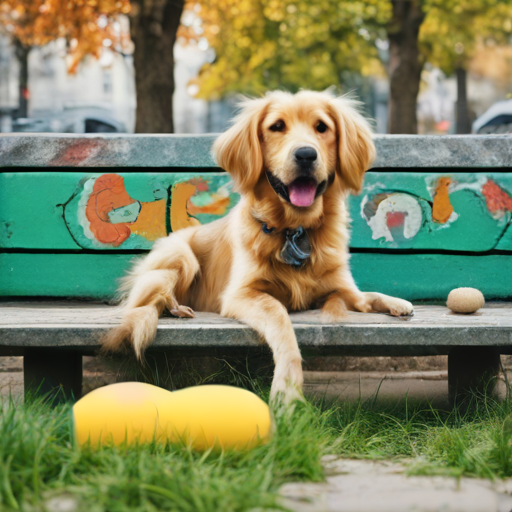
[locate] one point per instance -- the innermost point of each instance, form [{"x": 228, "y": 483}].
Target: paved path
[{"x": 370, "y": 486}]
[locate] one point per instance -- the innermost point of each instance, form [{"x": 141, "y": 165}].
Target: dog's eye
[
  {"x": 321, "y": 127},
  {"x": 278, "y": 127}
]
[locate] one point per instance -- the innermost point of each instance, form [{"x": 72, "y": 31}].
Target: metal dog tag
[{"x": 297, "y": 248}]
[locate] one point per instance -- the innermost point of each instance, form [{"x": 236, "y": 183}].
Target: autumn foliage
[
  {"x": 85, "y": 24},
  {"x": 263, "y": 45}
]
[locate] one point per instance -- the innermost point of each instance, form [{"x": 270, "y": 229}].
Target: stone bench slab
[
  {"x": 193, "y": 151},
  {"x": 432, "y": 330}
]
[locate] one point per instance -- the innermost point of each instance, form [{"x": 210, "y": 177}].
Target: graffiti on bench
[
  {"x": 459, "y": 211},
  {"x": 445, "y": 212},
  {"x": 102, "y": 214}
]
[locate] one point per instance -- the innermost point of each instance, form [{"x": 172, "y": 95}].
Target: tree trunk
[
  {"x": 22, "y": 52},
  {"x": 463, "y": 124},
  {"x": 154, "y": 24},
  {"x": 405, "y": 65}
]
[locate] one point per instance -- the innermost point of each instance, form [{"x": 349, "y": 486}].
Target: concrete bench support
[
  {"x": 472, "y": 371},
  {"x": 451, "y": 195},
  {"x": 53, "y": 373}
]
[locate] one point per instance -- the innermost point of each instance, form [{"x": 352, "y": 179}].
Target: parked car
[
  {"x": 497, "y": 119},
  {"x": 73, "y": 120},
  {"x": 24, "y": 124}
]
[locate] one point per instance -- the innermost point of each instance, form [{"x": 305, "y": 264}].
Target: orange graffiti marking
[
  {"x": 217, "y": 207},
  {"x": 442, "y": 209},
  {"x": 181, "y": 193},
  {"x": 200, "y": 184},
  {"x": 149, "y": 222},
  {"x": 146, "y": 219},
  {"x": 182, "y": 207},
  {"x": 108, "y": 194},
  {"x": 498, "y": 201}
]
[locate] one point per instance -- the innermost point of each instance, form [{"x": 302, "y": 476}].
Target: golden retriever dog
[{"x": 284, "y": 247}]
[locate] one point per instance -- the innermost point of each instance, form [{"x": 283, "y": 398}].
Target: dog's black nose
[{"x": 306, "y": 155}]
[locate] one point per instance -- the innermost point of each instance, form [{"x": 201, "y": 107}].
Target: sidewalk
[{"x": 382, "y": 486}]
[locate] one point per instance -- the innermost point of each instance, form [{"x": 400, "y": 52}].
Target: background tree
[
  {"x": 154, "y": 25},
  {"x": 287, "y": 44},
  {"x": 405, "y": 64},
  {"x": 268, "y": 44},
  {"x": 454, "y": 31},
  {"x": 85, "y": 24},
  {"x": 21, "y": 51}
]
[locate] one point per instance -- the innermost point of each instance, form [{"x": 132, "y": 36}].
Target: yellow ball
[{"x": 202, "y": 416}]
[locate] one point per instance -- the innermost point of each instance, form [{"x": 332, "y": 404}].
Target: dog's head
[{"x": 300, "y": 142}]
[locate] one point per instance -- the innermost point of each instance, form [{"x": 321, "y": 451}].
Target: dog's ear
[
  {"x": 238, "y": 150},
  {"x": 356, "y": 150}
]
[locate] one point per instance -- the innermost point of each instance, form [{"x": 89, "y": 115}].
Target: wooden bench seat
[{"x": 53, "y": 336}]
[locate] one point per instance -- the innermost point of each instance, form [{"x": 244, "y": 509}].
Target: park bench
[{"x": 435, "y": 214}]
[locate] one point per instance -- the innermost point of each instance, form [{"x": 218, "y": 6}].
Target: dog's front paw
[
  {"x": 182, "y": 312},
  {"x": 329, "y": 316},
  {"x": 285, "y": 396},
  {"x": 400, "y": 307},
  {"x": 287, "y": 383}
]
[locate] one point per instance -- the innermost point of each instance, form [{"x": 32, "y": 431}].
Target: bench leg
[
  {"x": 471, "y": 370},
  {"x": 54, "y": 374}
]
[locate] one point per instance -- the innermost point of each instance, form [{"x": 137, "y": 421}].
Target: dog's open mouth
[{"x": 301, "y": 192}]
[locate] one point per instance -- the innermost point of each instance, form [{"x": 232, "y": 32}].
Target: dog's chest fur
[
  {"x": 235, "y": 253},
  {"x": 305, "y": 287}
]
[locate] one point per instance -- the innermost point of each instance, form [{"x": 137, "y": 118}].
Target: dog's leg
[
  {"x": 156, "y": 283},
  {"x": 334, "y": 308},
  {"x": 346, "y": 295},
  {"x": 270, "y": 318}
]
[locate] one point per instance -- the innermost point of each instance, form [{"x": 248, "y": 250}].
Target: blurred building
[
  {"x": 192, "y": 115},
  {"x": 8, "y": 84},
  {"x": 101, "y": 91},
  {"x": 103, "y": 87}
]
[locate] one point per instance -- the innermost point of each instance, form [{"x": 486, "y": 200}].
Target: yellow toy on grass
[{"x": 202, "y": 416}]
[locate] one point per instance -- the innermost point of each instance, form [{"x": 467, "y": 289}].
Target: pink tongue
[{"x": 302, "y": 193}]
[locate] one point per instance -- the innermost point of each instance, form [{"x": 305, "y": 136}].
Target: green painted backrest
[{"x": 435, "y": 212}]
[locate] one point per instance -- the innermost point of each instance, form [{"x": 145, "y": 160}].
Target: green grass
[
  {"x": 38, "y": 459},
  {"x": 475, "y": 443}
]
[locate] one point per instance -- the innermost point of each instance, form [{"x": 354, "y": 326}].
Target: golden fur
[{"x": 232, "y": 267}]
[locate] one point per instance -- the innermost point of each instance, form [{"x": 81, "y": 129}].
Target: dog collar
[{"x": 296, "y": 248}]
